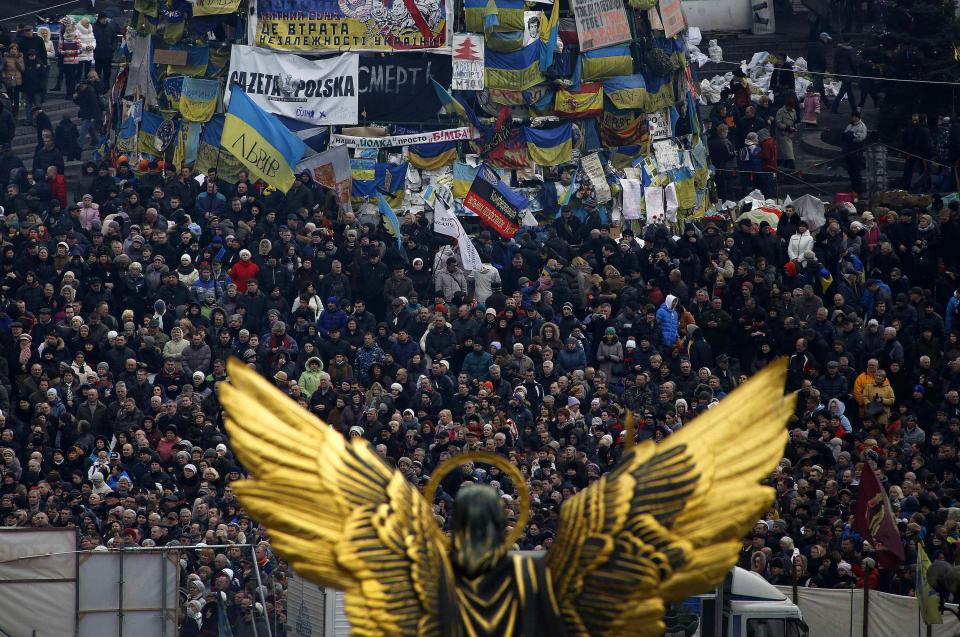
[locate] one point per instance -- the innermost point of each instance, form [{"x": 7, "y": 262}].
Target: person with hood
[
  {"x": 243, "y": 271},
  {"x": 610, "y": 355},
  {"x": 836, "y": 409},
  {"x": 572, "y": 357},
  {"x": 669, "y": 321},
  {"x": 332, "y": 317},
  {"x": 88, "y": 44},
  {"x": 309, "y": 380},
  {"x": 800, "y": 243}
]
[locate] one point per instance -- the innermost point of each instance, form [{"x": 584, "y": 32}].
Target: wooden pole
[
  {"x": 868, "y": 565},
  {"x": 793, "y": 579}
]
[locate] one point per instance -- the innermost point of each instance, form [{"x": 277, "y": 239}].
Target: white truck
[{"x": 745, "y": 605}]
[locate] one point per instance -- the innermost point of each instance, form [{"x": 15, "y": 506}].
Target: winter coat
[
  {"x": 477, "y": 366},
  {"x": 569, "y": 361},
  {"x": 785, "y": 121},
  {"x": 88, "y": 42},
  {"x": 13, "y": 68},
  {"x": 609, "y": 354},
  {"x": 669, "y": 321},
  {"x": 70, "y": 49},
  {"x": 241, "y": 273},
  {"x": 310, "y": 380},
  {"x": 811, "y": 108},
  {"x": 798, "y": 245}
]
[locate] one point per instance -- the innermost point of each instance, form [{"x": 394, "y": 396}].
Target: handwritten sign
[
  {"x": 671, "y": 13},
  {"x": 468, "y": 55},
  {"x": 601, "y": 23}
]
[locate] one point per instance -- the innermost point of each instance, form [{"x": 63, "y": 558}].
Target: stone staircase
[{"x": 25, "y": 141}]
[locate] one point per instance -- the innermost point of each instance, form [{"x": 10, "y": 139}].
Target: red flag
[{"x": 874, "y": 521}]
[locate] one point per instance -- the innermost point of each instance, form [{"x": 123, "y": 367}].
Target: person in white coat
[
  {"x": 483, "y": 280},
  {"x": 88, "y": 42},
  {"x": 800, "y": 243}
]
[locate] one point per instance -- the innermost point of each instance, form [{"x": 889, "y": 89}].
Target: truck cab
[{"x": 749, "y": 606}]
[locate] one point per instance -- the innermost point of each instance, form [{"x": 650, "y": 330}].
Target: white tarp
[
  {"x": 839, "y": 613},
  {"x": 38, "y": 582},
  {"x": 320, "y": 92}
]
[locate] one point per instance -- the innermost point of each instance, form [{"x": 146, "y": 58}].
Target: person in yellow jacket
[
  {"x": 878, "y": 398},
  {"x": 863, "y": 379}
]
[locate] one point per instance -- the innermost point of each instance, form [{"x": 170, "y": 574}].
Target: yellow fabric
[
  {"x": 255, "y": 152},
  {"x": 552, "y": 156},
  {"x": 433, "y": 163}
]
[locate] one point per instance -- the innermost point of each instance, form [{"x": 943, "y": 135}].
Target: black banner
[{"x": 397, "y": 87}]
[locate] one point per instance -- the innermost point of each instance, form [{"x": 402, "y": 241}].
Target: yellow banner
[
  {"x": 313, "y": 32},
  {"x": 255, "y": 152},
  {"x": 215, "y": 7}
]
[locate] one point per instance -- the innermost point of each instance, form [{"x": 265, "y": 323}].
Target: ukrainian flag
[
  {"x": 662, "y": 94},
  {"x": 515, "y": 71},
  {"x": 628, "y": 91},
  {"x": 149, "y": 124},
  {"x": 261, "y": 143},
  {"x": 506, "y": 15},
  {"x": 550, "y": 147},
  {"x": 607, "y": 62},
  {"x": 455, "y": 106},
  {"x": 464, "y": 174},
  {"x": 549, "y": 30},
  {"x": 390, "y": 221},
  {"x": 572, "y": 188},
  {"x": 432, "y": 156}
]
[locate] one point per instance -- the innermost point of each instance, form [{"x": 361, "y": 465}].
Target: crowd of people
[{"x": 122, "y": 303}]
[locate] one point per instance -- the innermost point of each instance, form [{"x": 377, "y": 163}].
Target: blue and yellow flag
[
  {"x": 549, "y": 30},
  {"x": 610, "y": 61},
  {"x": 198, "y": 99},
  {"x": 433, "y": 156},
  {"x": 572, "y": 188},
  {"x": 454, "y": 105},
  {"x": 502, "y": 14},
  {"x": 628, "y": 91},
  {"x": 463, "y": 176},
  {"x": 198, "y": 57},
  {"x": 265, "y": 146},
  {"x": 550, "y": 147},
  {"x": 390, "y": 221},
  {"x": 517, "y": 71},
  {"x": 371, "y": 177},
  {"x": 927, "y": 598}
]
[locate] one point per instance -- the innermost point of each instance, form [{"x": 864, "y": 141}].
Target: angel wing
[
  {"x": 667, "y": 522},
  {"x": 335, "y": 511}
]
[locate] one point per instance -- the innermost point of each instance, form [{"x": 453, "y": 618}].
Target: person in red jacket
[
  {"x": 58, "y": 185},
  {"x": 243, "y": 270},
  {"x": 768, "y": 160}
]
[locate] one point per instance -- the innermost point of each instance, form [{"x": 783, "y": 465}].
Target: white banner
[
  {"x": 468, "y": 56},
  {"x": 445, "y": 222},
  {"x": 594, "y": 170},
  {"x": 320, "y": 92},
  {"x": 446, "y": 135}
]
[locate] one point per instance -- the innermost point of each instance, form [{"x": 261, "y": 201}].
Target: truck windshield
[{"x": 776, "y": 628}]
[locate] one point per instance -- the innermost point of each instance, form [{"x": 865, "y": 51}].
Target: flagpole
[{"x": 868, "y": 565}]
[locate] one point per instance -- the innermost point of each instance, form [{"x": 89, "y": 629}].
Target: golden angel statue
[{"x": 664, "y": 524}]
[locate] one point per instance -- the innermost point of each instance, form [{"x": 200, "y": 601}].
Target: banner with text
[
  {"x": 398, "y": 87},
  {"x": 320, "y": 92},
  {"x": 215, "y": 7},
  {"x": 351, "y": 25},
  {"x": 601, "y": 23},
  {"x": 467, "y": 62},
  {"x": 447, "y": 135}
]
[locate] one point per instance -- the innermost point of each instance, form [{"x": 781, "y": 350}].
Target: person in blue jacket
[{"x": 669, "y": 321}]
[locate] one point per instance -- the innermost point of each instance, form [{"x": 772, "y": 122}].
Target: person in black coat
[
  {"x": 42, "y": 122},
  {"x": 67, "y": 138},
  {"x": 91, "y": 111}
]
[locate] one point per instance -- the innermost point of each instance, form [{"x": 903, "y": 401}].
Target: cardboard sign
[
  {"x": 168, "y": 56},
  {"x": 601, "y": 23},
  {"x": 468, "y": 55},
  {"x": 598, "y": 179},
  {"x": 671, "y": 13},
  {"x": 658, "y": 124}
]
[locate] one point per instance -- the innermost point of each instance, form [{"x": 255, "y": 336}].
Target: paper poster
[
  {"x": 654, "y": 16},
  {"x": 351, "y": 25},
  {"x": 594, "y": 170},
  {"x": 468, "y": 61},
  {"x": 531, "y": 26},
  {"x": 661, "y": 203},
  {"x": 658, "y": 124},
  {"x": 666, "y": 154},
  {"x": 332, "y": 170},
  {"x": 319, "y": 92},
  {"x": 601, "y": 23},
  {"x": 671, "y": 13},
  {"x": 632, "y": 196}
]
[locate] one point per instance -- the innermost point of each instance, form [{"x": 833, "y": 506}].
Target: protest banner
[
  {"x": 468, "y": 62},
  {"x": 601, "y": 23},
  {"x": 593, "y": 169},
  {"x": 658, "y": 123},
  {"x": 351, "y": 25},
  {"x": 431, "y": 137},
  {"x": 671, "y": 14},
  {"x": 320, "y": 92},
  {"x": 398, "y": 87},
  {"x": 215, "y": 7},
  {"x": 332, "y": 170}
]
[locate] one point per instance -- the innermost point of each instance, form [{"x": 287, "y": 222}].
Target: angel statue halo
[{"x": 448, "y": 465}]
